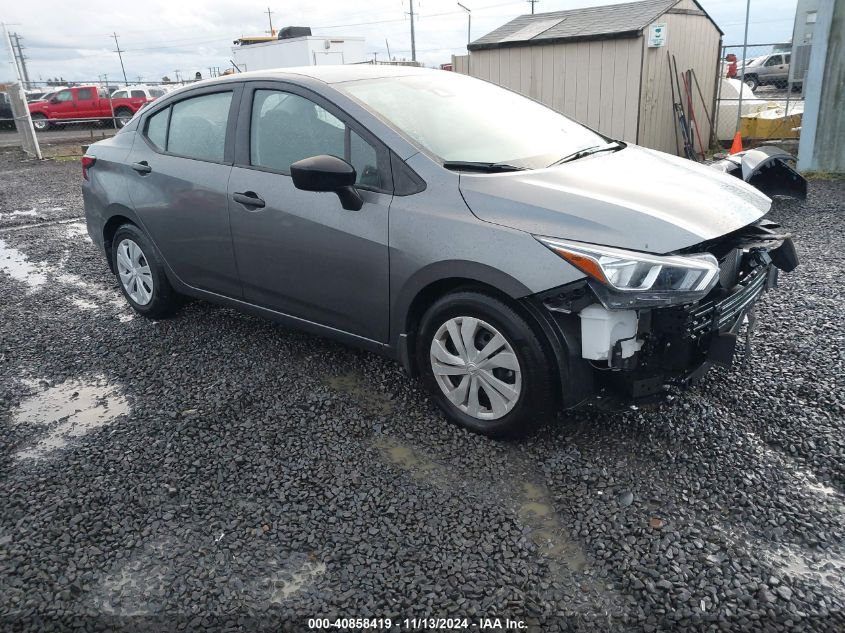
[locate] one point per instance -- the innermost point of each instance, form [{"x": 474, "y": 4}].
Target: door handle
[
  {"x": 248, "y": 199},
  {"x": 142, "y": 167}
]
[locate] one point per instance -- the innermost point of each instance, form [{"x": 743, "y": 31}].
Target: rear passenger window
[
  {"x": 136, "y": 94},
  {"x": 287, "y": 127},
  {"x": 198, "y": 126},
  {"x": 85, "y": 94},
  {"x": 157, "y": 128}
]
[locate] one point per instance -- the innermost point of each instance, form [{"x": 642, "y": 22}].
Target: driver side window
[
  {"x": 65, "y": 95},
  {"x": 286, "y": 128}
]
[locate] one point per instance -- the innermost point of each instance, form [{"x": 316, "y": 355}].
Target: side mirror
[
  {"x": 54, "y": 100},
  {"x": 328, "y": 173}
]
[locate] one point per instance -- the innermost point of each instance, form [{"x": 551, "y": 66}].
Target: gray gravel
[{"x": 218, "y": 472}]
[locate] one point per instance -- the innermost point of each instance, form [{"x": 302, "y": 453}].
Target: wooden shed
[{"x": 606, "y": 66}]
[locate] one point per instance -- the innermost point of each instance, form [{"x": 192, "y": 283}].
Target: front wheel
[
  {"x": 752, "y": 82},
  {"x": 483, "y": 364},
  {"x": 141, "y": 275},
  {"x": 40, "y": 122}
]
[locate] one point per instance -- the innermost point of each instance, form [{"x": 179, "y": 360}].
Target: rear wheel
[
  {"x": 40, "y": 122},
  {"x": 141, "y": 275},
  {"x": 484, "y": 366}
]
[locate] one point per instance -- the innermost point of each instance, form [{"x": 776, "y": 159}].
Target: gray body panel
[
  {"x": 183, "y": 204},
  {"x": 634, "y": 198},
  {"x": 304, "y": 255}
]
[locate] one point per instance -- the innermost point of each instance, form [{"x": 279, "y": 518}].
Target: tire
[
  {"x": 752, "y": 82},
  {"x": 518, "y": 366},
  {"x": 122, "y": 117},
  {"x": 140, "y": 274},
  {"x": 40, "y": 122}
]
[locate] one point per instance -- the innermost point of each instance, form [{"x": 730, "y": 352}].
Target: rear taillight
[{"x": 87, "y": 163}]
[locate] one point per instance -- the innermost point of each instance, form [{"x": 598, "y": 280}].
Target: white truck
[{"x": 296, "y": 46}]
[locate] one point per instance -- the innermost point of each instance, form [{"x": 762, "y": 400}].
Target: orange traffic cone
[{"x": 736, "y": 146}]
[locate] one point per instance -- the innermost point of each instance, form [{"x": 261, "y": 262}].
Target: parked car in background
[
  {"x": 87, "y": 103},
  {"x": 147, "y": 93},
  {"x": 7, "y": 120},
  {"x": 772, "y": 69},
  {"x": 517, "y": 269}
]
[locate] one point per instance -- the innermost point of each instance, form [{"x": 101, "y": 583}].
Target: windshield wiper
[
  {"x": 489, "y": 168},
  {"x": 609, "y": 147}
]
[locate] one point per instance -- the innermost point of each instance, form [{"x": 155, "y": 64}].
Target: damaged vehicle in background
[{"x": 518, "y": 269}]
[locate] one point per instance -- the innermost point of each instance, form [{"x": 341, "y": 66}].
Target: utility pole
[
  {"x": 20, "y": 57},
  {"x": 413, "y": 39},
  {"x": 744, "y": 64},
  {"x": 120, "y": 55},
  {"x": 270, "y": 17},
  {"x": 389, "y": 58},
  {"x": 178, "y": 78},
  {"x": 532, "y": 3},
  {"x": 469, "y": 23}
]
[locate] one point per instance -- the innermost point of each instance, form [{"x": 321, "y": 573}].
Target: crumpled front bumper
[{"x": 680, "y": 343}]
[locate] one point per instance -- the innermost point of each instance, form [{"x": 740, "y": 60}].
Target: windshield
[{"x": 458, "y": 118}]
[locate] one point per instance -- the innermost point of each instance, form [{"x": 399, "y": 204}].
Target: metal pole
[
  {"x": 389, "y": 58},
  {"x": 120, "y": 55},
  {"x": 413, "y": 39},
  {"x": 270, "y": 17},
  {"x": 23, "y": 121},
  {"x": 469, "y": 23},
  {"x": 744, "y": 52}
]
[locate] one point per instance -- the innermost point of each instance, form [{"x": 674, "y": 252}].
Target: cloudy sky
[{"x": 73, "y": 40}]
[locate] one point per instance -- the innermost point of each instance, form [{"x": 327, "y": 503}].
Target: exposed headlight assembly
[{"x": 627, "y": 279}]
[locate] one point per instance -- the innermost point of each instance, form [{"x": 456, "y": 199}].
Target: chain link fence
[{"x": 765, "y": 83}]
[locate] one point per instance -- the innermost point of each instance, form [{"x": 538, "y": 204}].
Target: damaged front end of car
[{"x": 646, "y": 322}]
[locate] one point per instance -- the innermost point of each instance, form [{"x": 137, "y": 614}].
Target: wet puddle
[
  {"x": 532, "y": 503},
  {"x": 17, "y": 266},
  {"x": 352, "y": 384},
  {"x": 546, "y": 530},
  {"x": 68, "y": 410},
  {"x": 284, "y": 584},
  {"x": 408, "y": 459}
]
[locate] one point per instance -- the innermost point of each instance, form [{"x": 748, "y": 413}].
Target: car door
[
  {"x": 301, "y": 253},
  {"x": 62, "y": 105},
  {"x": 181, "y": 163},
  {"x": 771, "y": 68},
  {"x": 86, "y": 103}
]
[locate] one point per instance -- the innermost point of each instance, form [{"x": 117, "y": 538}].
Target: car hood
[{"x": 633, "y": 198}]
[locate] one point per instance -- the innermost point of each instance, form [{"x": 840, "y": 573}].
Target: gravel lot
[{"x": 215, "y": 471}]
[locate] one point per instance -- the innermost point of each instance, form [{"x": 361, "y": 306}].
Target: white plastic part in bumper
[{"x": 601, "y": 329}]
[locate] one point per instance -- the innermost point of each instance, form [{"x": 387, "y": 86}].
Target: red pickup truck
[{"x": 86, "y": 103}]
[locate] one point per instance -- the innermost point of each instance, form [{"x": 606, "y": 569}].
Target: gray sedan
[{"x": 516, "y": 261}]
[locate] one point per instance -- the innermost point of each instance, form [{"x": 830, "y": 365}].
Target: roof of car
[{"x": 334, "y": 74}]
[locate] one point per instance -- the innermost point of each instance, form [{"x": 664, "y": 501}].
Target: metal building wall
[
  {"x": 594, "y": 82},
  {"x": 694, "y": 42},
  {"x": 598, "y": 82}
]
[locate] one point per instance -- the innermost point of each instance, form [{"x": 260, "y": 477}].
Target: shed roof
[{"x": 589, "y": 23}]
